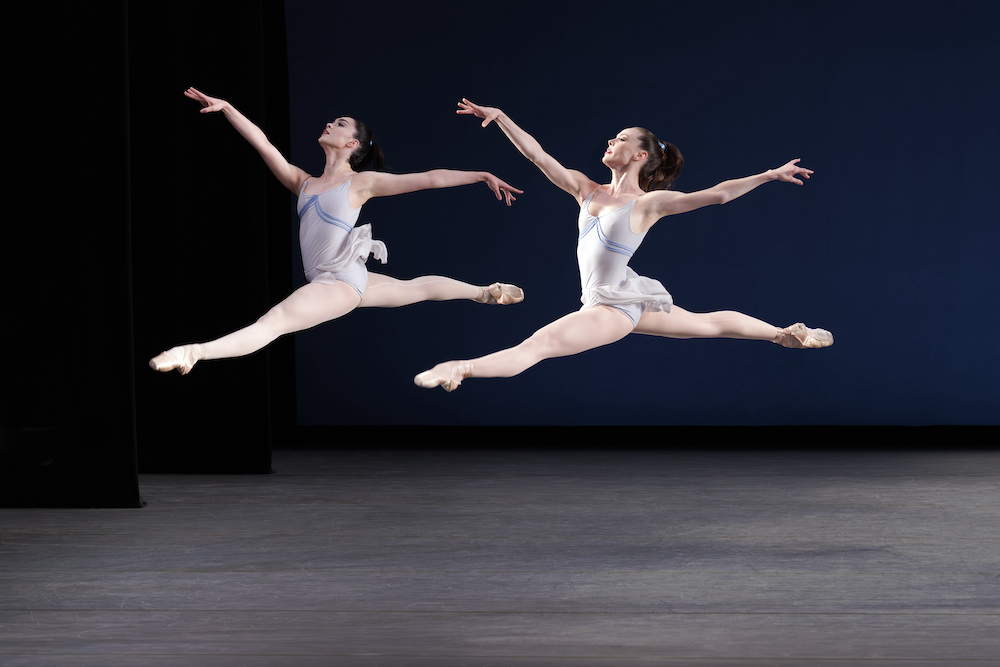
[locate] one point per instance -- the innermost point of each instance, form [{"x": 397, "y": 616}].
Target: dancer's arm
[
  {"x": 570, "y": 180},
  {"x": 370, "y": 184},
  {"x": 661, "y": 203},
  {"x": 289, "y": 175}
]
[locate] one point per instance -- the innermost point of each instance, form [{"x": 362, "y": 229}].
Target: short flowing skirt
[
  {"x": 348, "y": 265},
  {"x": 635, "y": 289}
]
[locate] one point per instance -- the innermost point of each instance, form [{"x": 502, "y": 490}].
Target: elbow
[
  {"x": 435, "y": 180},
  {"x": 722, "y": 197},
  {"x": 534, "y": 152}
]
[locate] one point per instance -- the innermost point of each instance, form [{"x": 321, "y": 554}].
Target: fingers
[
  {"x": 468, "y": 108},
  {"x": 504, "y": 191},
  {"x": 503, "y": 185},
  {"x": 509, "y": 192},
  {"x": 494, "y": 184},
  {"x": 209, "y": 104},
  {"x": 794, "y": 163},
  {"x": 791, "y": 171}
]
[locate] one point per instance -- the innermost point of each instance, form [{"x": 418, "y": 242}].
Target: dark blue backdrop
[{"x": 892, "y": 245}]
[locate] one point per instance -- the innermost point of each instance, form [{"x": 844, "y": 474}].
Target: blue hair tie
[{"x": 662, "y": 147}]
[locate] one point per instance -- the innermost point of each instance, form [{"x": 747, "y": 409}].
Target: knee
[
  {"x": 272, "y": 319},
  {"x": 539, "y": 343}
]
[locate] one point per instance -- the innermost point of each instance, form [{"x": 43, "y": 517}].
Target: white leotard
[
  {"x": 333, "y": 249},
  {"x": 605, "y": 246}
]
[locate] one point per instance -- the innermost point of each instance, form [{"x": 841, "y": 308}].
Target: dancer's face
[
  {"x": 623, "y": 148},
  {"x": 339, "y": 133}
]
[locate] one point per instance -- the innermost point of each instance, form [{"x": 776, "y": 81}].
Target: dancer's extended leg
[
  {"x": 386, "y": 292},
  {"x": 572, "y": 334},
  {"x": 304, "y": 308},
  {"x": 679, "y": 323}
]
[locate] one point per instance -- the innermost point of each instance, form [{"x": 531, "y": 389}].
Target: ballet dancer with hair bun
[
  {"x": 334, "y": 250},
  {"x": 614, "y": 219}
]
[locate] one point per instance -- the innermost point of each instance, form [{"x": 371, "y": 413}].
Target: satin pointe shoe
[
  {"x": 502, "y": 294},
  {"x": 181, "y": 358},
  {"x": 447, "y": 375},
  {"x": 798, "y": 336}
]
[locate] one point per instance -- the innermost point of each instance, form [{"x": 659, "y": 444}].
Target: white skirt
[
  {"x": 348, "y": 265},
  {"x": 635, "y": 289}
]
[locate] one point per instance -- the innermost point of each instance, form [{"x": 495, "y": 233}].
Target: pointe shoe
[
  {"x": 502, "y": 294},
  {"x": 447, "y": 375},
  {"x": 181, "y": 358},
  {"x": 798, "y": 336}
]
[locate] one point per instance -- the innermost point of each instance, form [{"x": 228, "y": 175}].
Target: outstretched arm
[
  {"x": 570, "y": 180},
  {"x": 370, "y": 184},
  {"x": 661, "y": 203},
  {"x": 289, "y": 175}
]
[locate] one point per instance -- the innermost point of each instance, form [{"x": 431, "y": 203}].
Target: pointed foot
[
  {"x": 181, "y": 358},
  {"x": 798, "y": 336},
  {"x": 448, "y": 375},
  {"x": 501, "y": 294}
]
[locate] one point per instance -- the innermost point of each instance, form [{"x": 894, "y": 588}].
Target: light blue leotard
[
  {"x": 333, "y": 249},
  {"x": 605, "y": 246}
]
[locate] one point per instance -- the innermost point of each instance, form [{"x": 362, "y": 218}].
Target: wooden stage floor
[{"x": 516, "y": 557}]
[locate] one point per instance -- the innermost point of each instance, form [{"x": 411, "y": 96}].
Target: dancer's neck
[{"x": 624, "y": 181}]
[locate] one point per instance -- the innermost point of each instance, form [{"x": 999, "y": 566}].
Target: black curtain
[
  {"x": 68, "y": 414},
  {"x": 134, "y": 223},
  {"x": 210, "y": 226}
]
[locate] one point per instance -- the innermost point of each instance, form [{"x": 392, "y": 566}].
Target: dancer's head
[
  {"x": 353, "y": 134},
  {"x": 658, "y": 162}
]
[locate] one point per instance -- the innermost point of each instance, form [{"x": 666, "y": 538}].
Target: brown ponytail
[{"x": 663, "y": 163}]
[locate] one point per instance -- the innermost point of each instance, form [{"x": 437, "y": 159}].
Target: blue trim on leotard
[
  {"x": 323, "y": 215},
  {"x": 611, "y": 245},
  {"x": 605, "y": 241}
]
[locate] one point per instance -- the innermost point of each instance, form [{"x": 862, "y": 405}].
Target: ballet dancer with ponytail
[
  {"x": 614, "y": 219},
  {"x": 334, "y": 251}
]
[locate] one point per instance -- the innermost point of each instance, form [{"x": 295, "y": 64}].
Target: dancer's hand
[
  {"x": 290, "y": 176},
  {"x": 489, "y": 114},
  {"x": 789, "y": 172},
  {"x": 210, "y": 104},
  {"x": 498, "y": 187}
]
